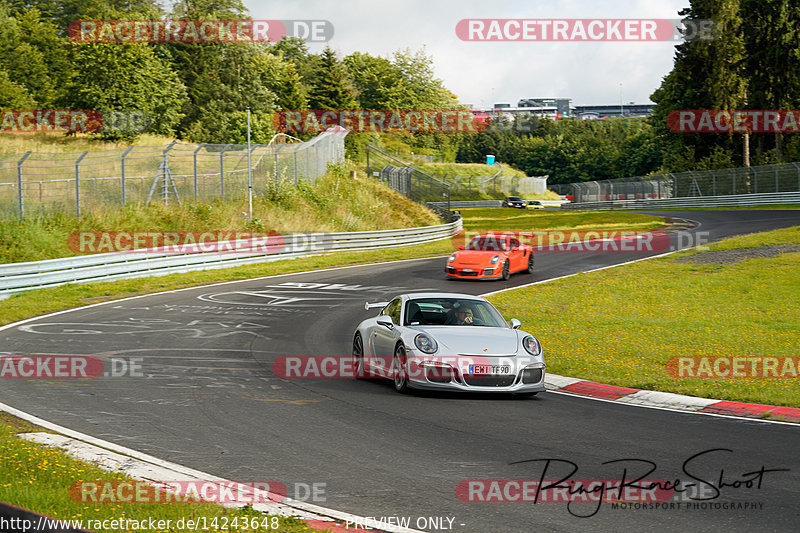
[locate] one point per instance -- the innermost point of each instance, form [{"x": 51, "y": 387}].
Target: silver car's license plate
[{"x": 482, "y": 370}]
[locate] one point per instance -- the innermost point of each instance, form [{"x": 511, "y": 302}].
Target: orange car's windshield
[{"x": 488, "y": 243}]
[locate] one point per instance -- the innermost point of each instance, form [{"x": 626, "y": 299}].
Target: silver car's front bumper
[{"x": 529, "y": 378}]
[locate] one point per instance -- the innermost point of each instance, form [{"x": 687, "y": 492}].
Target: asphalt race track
[{"x": 208, "y": 399}]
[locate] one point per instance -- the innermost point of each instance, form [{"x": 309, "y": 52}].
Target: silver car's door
[{"x": 384, "y": 338}]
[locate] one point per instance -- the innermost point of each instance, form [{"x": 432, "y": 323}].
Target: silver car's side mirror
[
  {"x": 515, "y": 324},
  {"x": 385, "y": 320}
]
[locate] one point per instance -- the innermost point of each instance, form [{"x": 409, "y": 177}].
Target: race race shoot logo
[
  {"x": 592, "y": 30},
  {"x": 733, "y": 367},
  {"x": 198, "y": 31},
  {"x": 176, "y": 242},
  {"x": 67, "y": 367},
  {"x": 372, "y": 121},
  {"x": 195, "y": 491},
  {"x": 50, "y": 120},
  {"x": 737, "y": 121}
]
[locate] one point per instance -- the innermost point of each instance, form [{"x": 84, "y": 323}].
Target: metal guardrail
[
  {"x": 738, "y": 200},
  {"x": 466, "y": 204},
  {"x": 18, "y": 277}
]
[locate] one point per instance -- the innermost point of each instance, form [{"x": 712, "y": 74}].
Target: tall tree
[
  {"x": 772, "y": 41},
  {"x": 333, "y": 88},
  {"x": 128, "y": 77}
]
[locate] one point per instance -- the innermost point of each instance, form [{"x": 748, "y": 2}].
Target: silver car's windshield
[{"x": 452, "y": 312}]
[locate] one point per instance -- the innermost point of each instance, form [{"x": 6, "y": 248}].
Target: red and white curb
[{"x": 669, "y": 400}]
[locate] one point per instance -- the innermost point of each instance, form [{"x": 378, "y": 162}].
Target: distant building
[
  {"x": 558, "y": 108},
  {"x": 606, "y": 111},
  {"x": 563, "y": 105}
]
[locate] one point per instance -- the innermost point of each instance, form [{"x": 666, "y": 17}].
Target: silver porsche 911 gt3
[{"x": 447, "y": 341}]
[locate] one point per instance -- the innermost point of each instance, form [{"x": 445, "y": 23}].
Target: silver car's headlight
[
  {"x": 425, "y": 343},
  {"x": 452, "y": 258},
  {"x": 531, "y": 345},
  {"x": 495, "y": 259}
]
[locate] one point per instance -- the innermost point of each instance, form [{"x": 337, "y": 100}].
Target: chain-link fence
[
  {"x": 408, "y": 181},
  {"x": 76, "y": 181},
  {"x": 466, "y": 187},
  {"x": 415, "y": 158},
  {"x": 722, "y": 182}
]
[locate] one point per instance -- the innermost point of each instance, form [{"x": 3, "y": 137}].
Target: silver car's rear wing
[{"x": 368, "y": 305}]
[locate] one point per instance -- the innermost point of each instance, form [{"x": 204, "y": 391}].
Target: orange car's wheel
[
  {"x": 531, "y": 260},
  {"x": 506, "y": 271}
]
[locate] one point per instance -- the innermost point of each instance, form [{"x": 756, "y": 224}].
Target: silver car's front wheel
[
  {"x": 358, "y": 357},
  {"x": 400, "y": 371}
]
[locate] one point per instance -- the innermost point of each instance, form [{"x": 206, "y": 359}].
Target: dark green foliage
[
  {"x": 127, "y": 77},
  {"x": 752, "y": 63},
  {"x": 332, "y": 88}
]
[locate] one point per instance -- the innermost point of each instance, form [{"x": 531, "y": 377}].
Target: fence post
[
  {"x": 316, "y": 160},
  {"x": 19, "y": 184},
  {"x": 295, "y": 167},
  {"x": 78, "y": 184},
  {"x": 798, "y": 175},
  {"x": 167, "y": 173},
  {"x": 756, "y": 176},
  {"x": 222, "y": 171},
  {"x": 308, "y": 162},
  {"x": 194, "y": 165},
  {"x": 777, "y": 187},
  {"x": 277, "y": 149},
  {"x": 253, "y": 149},
  {"x": 122, "y": 161},
  {"x": 713, "y": 183}
]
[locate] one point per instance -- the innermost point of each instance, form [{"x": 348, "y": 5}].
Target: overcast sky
[{"x": 483, "y": 73}]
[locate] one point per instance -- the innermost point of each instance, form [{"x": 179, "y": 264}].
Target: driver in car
[{"x": 462, "y": 316}]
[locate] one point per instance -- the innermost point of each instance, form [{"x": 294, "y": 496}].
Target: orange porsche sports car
[{"x": 490, "y": 256}]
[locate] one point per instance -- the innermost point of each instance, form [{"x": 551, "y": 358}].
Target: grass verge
[
  {"x": 529, "y": 220},
  {"x": 622, "y": 325},
  {"x": 38, "y": 478}
]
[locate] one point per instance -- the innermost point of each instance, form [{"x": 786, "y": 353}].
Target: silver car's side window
[{"x": 393, "y": 310}]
